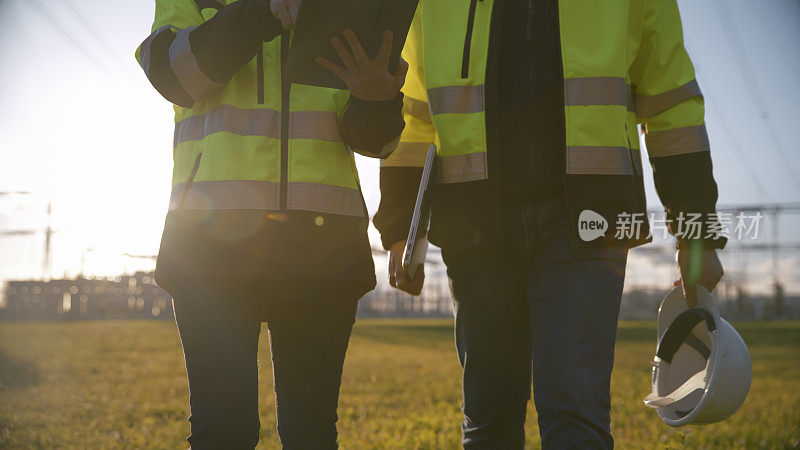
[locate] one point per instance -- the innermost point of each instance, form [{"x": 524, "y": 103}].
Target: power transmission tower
[{"x": 48, "y": 233}]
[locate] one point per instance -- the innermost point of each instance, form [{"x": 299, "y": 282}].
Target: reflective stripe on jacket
[
  {"x": 253, "y": 142},
  {"x": 265, "y": 188},
  {"x": 623, "y": 63}
]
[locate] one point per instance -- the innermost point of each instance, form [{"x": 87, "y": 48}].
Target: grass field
[{"x": 121, "y": 384}]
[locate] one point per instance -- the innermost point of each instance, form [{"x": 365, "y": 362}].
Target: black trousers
[{"x": 309, "y": 329}]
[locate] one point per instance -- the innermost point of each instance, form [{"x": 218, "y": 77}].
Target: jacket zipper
[
  {"x": 260, "y": 74},
  {"x": 190, "y": 180},
  {"x": 473, "y": 4},
  {"x": 633, "y": 166},
  {"x": 285, "y": 91},
  {"x": 529, "y": 23},
  {"x": 531, "y": 86},
  {"x": 630, "y": 151}
]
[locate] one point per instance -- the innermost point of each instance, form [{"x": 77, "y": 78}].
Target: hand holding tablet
[
  {"x": 367, "y": 79},
  {"x": 319, "y": 31}
]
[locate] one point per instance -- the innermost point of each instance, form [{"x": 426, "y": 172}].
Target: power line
[
  {"x": 734, "y": 144},
  {"x": 98, "y": 38},
  {"x": 18, "y": 233},
  {"x": 785, "y": 207},
  {"x": 746, "y": 69},
  {"x": 778, "y": 43},
  {"x": 66, "y": 34}
]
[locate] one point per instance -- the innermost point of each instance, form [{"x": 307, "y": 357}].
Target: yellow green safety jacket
[
  {"x": 624, "y": 65},
  {"x": 255, "y": 152}
]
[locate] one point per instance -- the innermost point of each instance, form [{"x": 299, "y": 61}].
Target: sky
[{"x": 81, "y": 126}]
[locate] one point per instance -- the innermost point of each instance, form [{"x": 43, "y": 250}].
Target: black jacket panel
[{"x": 235, "y": 247}]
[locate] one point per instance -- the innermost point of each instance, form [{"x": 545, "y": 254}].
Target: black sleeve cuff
[
  {"x": 161, "y": 75},
  {"x": 229, "y": 40},
  {"x": 262, "y": 24},
  {"x": 363, "y": 107},
  {"x": 685, "y": 183},
  {"x": 368, "y": 125},
  {"x": 399, "y": 187}
]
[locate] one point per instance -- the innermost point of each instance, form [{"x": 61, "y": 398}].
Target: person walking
[
  {"x": 534, "y": 106},
  {"x": 266, "y": 218}
]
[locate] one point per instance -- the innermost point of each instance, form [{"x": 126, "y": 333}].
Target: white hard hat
[{"x": 701, "y": 371}]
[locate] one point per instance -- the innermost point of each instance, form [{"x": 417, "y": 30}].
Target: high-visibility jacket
[
  {"x": 233, "y": 150},
  {"x": 264, "y": 182},
  {"x": 624, "y": 65}
]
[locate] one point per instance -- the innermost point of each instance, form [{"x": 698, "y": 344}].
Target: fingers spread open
[
  {"x": 339, "y": 71},
  {"x": 347, "y": 57},
  {"x": 400, "y": 73},
  {"x": 402, "y": 67},
  {"x": 386, "y": 49},
  {"x": 355, "y": 45}
]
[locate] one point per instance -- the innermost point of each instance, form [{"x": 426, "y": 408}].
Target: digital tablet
[
  {"x": 416, "y": 245},
  {"x": 320, "y": 20}
]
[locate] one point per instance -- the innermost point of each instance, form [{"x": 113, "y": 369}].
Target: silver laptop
[{"x": 417, "y": 247}]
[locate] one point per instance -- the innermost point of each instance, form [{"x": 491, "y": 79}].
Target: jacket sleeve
[
  {"x": 669, "y": 104},
  {"x": 197, "y": 45},
  {"x": 373, "y": 128},
  {"x": 401, "y": 172}
]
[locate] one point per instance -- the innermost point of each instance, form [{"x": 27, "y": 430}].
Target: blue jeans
[
  {"x": 540, "y": 308},
  {"x": 309, "y": 329}
]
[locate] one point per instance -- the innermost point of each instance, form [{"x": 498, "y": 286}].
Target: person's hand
[
  {"x": 285, "y": 11},
  {"x": 398, "y": 277},
  {"x": 367, "y": 79},
  {"x": 698, "y": 268}
]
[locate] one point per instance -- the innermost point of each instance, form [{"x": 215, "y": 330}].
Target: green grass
[{"x": 121, "y": 384}]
